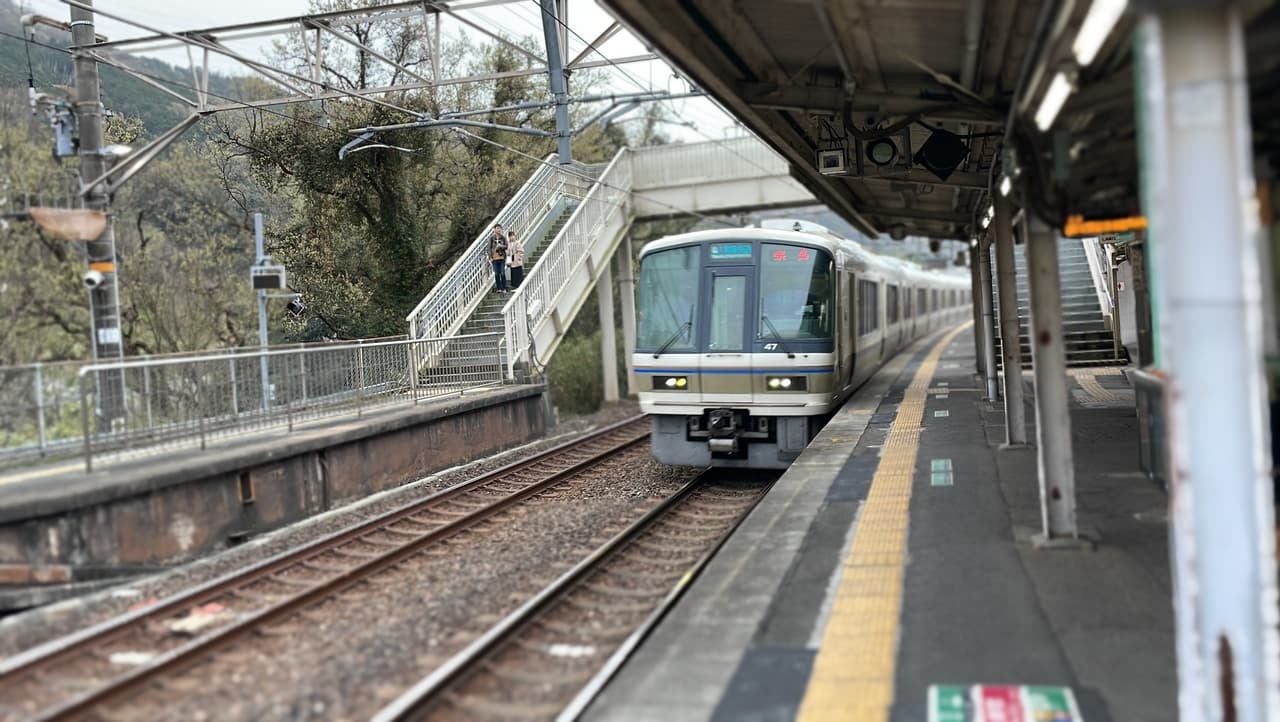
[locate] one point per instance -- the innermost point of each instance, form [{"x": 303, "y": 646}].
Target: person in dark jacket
[{"x": 498, "y": 256}]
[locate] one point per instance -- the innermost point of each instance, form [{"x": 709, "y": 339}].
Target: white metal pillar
[
  {"x": 627, "y": 290},
  {"x": 1198, "y": 190},
  {"x": 608, "y": 334},
  {"x": 1049, "y": 362},
  {"x": 989, "y": 372},
  {"x": 1015, "y": 416},
  {"x": 975, "y": 297}
]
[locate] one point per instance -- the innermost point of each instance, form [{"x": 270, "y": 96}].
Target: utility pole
[
  {"x": 259, "y": 260},
  {"x": 559, "y": 82},
  {"x": 104, "y": 308}
]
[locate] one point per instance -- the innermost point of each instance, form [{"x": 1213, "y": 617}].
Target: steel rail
[
  {"x": 415, "y": 703},
  {"x": 66, "y": 649}
]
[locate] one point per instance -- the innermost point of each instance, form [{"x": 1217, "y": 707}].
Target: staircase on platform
[
  {"x": 573, "y": 218},
  {"x": 1087, "y": 328}
]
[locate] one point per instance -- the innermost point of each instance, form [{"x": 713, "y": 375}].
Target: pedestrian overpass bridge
[{"x": 574, "y": 219}]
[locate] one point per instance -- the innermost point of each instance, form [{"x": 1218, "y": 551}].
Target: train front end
[{"x": 735, "y": 351}]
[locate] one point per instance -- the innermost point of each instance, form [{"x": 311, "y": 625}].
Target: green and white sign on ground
[
  {"x": 1002, "y": 703},
  {"x": 940, "y": 473}
]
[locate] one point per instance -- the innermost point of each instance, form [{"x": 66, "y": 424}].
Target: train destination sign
[
  {"x": 725, "y": 251},
  {"x": 1078, "y": 227}
]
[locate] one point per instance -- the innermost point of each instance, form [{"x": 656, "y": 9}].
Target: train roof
[{"x": 908, "y": 270}]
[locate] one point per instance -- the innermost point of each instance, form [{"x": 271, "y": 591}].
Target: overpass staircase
[
  {"x": 573, "y": 218},
  {"x": 1088, "y": 333}
]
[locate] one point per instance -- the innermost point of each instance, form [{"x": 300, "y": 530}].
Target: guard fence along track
[
  {"x": 548, "y": 659},
  {"x": 68, "y": 677}
]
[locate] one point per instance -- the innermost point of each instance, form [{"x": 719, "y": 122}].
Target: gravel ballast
[{"x": 22, "y": 631}]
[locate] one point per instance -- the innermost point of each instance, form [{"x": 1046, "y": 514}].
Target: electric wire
[
  {"x": 677, "y": 209},
  {"x": 639, "y": 84}
]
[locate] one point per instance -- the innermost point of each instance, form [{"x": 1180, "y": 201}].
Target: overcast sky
[{"x": 586, "y": 19}]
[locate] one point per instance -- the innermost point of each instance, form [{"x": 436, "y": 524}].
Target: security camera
[
  {"x": 93, "y": 279},
  {"x": 295, "y": 307}
]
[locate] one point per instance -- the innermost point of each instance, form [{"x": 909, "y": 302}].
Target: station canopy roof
[{"x": 913, "y": 98}]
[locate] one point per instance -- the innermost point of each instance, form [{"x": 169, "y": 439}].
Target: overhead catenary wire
[
  {"x": 341, "y": 134},
  {"x": 635, "y": 81}
]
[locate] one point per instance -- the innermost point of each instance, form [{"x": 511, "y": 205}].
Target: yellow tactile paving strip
[
  {"x": 852, "y": 677},
  {"x": 1087, "y": 378}
]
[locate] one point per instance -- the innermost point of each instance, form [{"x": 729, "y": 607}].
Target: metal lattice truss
[{"x": 322, "y": 35}]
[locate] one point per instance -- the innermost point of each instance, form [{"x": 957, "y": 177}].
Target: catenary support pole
[
  {"x": 989, "y": 371},
  {"x": 1056, "y": 468},
  {"x": 559, "y": 83},
  {"x": 627, "y": 292},
  {"x": 608, "y": 333},
  {"x": 975, "y": 296},
  {"x": 1198, "y": 191},
  {"x": 1010, "y": 346},
  {"x": 104, "y": 308},
  {"x": 263, "y": 368}
]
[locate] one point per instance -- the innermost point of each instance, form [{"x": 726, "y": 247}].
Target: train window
[
  {"x": 795, "y": 292},
  {"x": 922, "y": 302},
  {"x": 667, "y": 299},
  {"x": 728, "y": 312},
  {"x": 891, "y": 304},
  {"x": 906, "y": 303},
  {"x": 868, "y": 307},
  {"x": 935, "y": 303}
]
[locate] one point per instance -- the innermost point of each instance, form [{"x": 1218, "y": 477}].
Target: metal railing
[
  {"x": 443, "y": 311},
  {"x": 39, "y": 410},
  {"x": 1100, "y": 272},
  {"x": 191, "y": 401},
  {"x": 542, "y": 290}
]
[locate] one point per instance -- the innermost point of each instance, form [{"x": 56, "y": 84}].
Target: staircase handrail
[
  {"x": 536, "y": 298},
  {"x": 445, "y": 307},
  {"x": 1099, "y": 270}
]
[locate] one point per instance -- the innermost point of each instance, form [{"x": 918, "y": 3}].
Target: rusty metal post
[{"x": 1205, "y": 280}]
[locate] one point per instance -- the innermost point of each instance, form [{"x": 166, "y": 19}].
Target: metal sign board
[
  {"x": 267, "y": 277},
  {"x": 1002, "y": 703}
]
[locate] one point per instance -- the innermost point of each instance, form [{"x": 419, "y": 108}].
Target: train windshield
[
  {"x": 795, "y": 292},
  {"x": 667, "y": 299}
]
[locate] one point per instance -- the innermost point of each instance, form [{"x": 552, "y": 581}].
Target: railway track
[
  {"x": 548, "y": 659},
  {"x": 102, "y": 665}
]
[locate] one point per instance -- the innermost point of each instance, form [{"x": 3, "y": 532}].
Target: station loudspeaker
[
  {"x": 934, "y": 245},
  {"x": 942, "y": 153}
]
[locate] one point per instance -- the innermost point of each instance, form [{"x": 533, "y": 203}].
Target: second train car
[{"x": 749, "y": 339}]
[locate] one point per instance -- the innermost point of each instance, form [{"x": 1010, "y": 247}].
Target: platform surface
[{"x": 895, "y": 555}]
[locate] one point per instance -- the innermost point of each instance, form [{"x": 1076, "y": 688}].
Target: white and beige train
[{"x": 749, "y": 339}]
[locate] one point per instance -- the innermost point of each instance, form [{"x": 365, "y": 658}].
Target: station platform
[
  {"x": 64, "y": 531},
  {"x": 890, "y": 573}
]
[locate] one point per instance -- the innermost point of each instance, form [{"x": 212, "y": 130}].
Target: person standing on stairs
[
  {"x": 515, "y": 259},
  {"x": 498, "y": 256}
]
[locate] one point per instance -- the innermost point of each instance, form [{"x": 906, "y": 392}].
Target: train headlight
[
  {"x": 786, "y": 383},
  {"x": 670, "y": 383}
]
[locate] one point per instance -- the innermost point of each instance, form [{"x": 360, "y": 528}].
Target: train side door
[
  {"x": 844, "y": 341},
  {"x": 727, "y": 330}
]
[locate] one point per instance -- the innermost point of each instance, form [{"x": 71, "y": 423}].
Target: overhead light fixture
[
  {"x": 1054, "y": 98},
  {"x": 1006, "y": 185},
  {"x": 882, "y": 152},
  {"x": 986, "y": 221},
  {"x": 942, "y": 153},
  {"x": 1098, "y": 24},
  {"x": 973, "y": 242}
]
